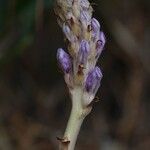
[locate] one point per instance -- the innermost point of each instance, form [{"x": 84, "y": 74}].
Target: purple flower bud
[
  {"x": 64, "y": 60},
  {"x": 100, "y": 43},
  {"x": 84, "y": 4},
  {"x": 85, "y": 17},
  {"x": 93, "y": 80},
  {"x": 67, "y": 31},
  {"x": 95, "y": 25},
  {"x": 83, "y": 52}
]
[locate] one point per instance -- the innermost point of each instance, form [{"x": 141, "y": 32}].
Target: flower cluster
[{"x": 85, "y": 42}]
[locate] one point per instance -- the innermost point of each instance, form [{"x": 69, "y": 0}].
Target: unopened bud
[
  {"x": 95, "y": 25},
  {"x": 95, "y": 28},
  {"x": 64, "y": 60},
  {"x": 83, "y": 52},
  {"x": 67, "y": 31},
  {"x": 84, "y": 4},
  {"x": 85, "y": 17},
  {"x": 93, "y": 80}
]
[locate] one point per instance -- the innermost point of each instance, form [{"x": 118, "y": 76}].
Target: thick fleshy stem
[{"x": 78, "y": 113}]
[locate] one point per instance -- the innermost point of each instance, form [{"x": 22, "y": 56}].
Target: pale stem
[{"x": 78, "y": 113}]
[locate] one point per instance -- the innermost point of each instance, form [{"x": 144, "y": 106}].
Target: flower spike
[{"x": 85, "y": 42}]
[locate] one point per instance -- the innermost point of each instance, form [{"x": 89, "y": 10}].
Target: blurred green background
[{"x": 34, "y": 101}]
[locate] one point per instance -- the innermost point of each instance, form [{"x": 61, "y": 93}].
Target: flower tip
[
  {"x": 66, "y": 28},
  {"x": 84, "y": 46},
  {"x": 67, "y": 31},
  {"x": 64, "y": 60},
  {"x": 83, "y": 52},
  {"x": 93, "y": 80},
  {"x": 98, "y": 72},
  {"x": 60, "y": 54},
  {"x": 95, "y": 25}
]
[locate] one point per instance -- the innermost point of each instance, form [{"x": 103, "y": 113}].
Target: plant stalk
[{"x": 78, "y": 113}]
